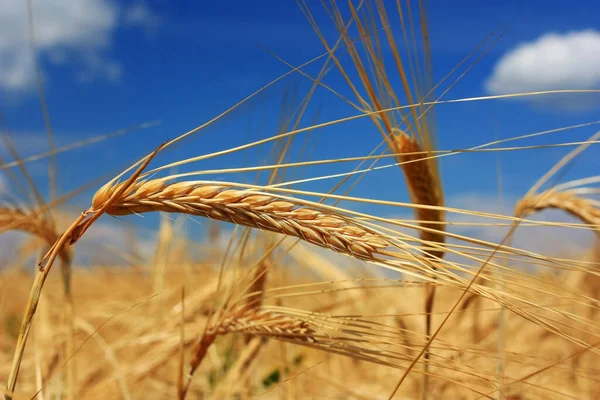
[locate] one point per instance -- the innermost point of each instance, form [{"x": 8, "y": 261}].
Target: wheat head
[
  {"x": 13, "y": 218},
  {"x": 259, "y": 322},
  {"x": 248, "y": 208},
  {"x": 422, "y": 187},
  {"x": 566, "y": 201}
]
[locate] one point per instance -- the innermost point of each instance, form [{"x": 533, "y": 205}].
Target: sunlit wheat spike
[
  {"x": 248, "y": 208},
  {"x": 267, "y": 323},
  {"x": 567, "y": 201},
  {"x": 422, "y": 188}
]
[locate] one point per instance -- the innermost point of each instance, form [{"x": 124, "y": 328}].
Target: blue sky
[{"x": 109, "y": 65}]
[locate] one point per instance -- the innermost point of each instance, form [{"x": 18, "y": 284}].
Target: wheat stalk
[
  {"x": 567, "y": 201},
  {"x": 424, "y": 189},
  {"x": 13, "y": 218},
  {"x": 70, "y": 236}
]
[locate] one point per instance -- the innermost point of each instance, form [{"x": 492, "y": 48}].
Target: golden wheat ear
[
  {"x": 243, "y": 207},
  {"x": 423, "y": 188},
  {"x": 567, "y": 201}
]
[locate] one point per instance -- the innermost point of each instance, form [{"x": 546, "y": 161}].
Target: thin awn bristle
[{"x": 247, "y": 208}]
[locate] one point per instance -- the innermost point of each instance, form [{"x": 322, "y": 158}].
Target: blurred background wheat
[{"x": 359, "y": 223}]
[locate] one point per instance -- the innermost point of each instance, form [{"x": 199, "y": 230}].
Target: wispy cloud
[
  {"x": 140, "y": 15},
  {"x": 553, "y": 61},
  {"x": 3, "y": 184},
  {"x": 75, "y": 32}
]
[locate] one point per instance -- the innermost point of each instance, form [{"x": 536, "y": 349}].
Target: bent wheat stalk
[
  {"x": 69, "y": 237},
  {"x": 36, "y": 224}
]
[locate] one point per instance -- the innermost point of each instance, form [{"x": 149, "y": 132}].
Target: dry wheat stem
[
  {"x": 38, "y": 225},
  {"x": 257, "y": 285},
  {"x": 70, "y": 236}
]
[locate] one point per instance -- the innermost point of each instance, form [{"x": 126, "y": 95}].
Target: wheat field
[{"x": 275, "y": 280}]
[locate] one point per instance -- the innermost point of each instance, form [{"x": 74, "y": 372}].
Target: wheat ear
[
  {"x": 250, "y": 321},
  {"x": 17, "y": 219},
  {"x": 422, "y": 188},
  {"x": 248, "y": 208},
  {"x": 567, "y": 201}
]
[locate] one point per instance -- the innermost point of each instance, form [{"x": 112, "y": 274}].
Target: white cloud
[
  {"x": 551, "y": 62},
  {"x": 79, "y": 32},
  {"x": 140, "y": 15},
  {"x": 3, "y": 184}
]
